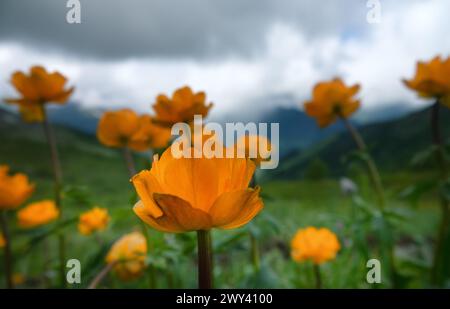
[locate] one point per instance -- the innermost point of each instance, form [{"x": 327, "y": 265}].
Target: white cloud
[{"x": 289, "y": 63}]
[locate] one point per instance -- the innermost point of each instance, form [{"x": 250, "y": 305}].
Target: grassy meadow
[{"x": 255, "y": 256}]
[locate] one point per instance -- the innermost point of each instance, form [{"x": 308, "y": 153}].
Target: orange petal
[
  {"x": 234, "y": 209},
  {"x": 146, "y": 185},
  {"x": 24, "y": 85}
]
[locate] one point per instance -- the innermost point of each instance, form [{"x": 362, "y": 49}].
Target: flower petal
[{"x": 234, "y": 209}]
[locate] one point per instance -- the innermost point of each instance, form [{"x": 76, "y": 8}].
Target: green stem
[
  {"x": 254, "y": 252},
  {"x": 318, "y": 276},
  {"x": 57, "y": 176},
  {"x": 375, "y": 178},
  {"x": 129, "y": 161},
  {"x": 205, "y": 268},
  {"x": 371, "y": 167},
  {"x": 7, "y": 251},
  {"x": 445, "y": 211},
  {"x": 101, "y": 275}
]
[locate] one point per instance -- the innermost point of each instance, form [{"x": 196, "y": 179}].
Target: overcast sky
[{"x": 246, "y": 54}]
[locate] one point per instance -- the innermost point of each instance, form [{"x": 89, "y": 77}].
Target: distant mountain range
[{"x": 392, "y": 142}]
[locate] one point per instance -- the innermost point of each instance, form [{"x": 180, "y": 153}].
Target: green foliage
[{"x": 316, "y": 170}]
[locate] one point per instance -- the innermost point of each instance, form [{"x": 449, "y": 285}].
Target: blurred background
[{"x": 257, "y": 61}]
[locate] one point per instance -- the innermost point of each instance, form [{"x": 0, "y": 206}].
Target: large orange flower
[
  {"x": 128, "y": 256},
  {"x": 181, "y": 108},
  {"x": 38, "y": 88},
  {"x": 124, "y": 128},
  {"x": 190, "y": 194},
  {"x": 331, "y": 100},
  {"x": 432, "y": 80},
  {"x": 14, "y": 190},
  {"x": 93, "y": 220},
  {"x": 37, "y": 214},
  {"x": 317, "y": 245}
]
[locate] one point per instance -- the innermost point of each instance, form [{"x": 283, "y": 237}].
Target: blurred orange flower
[
  {"x": 318, "y": 245},
  {"x": 14, "y": 190},
  {"x": 432, "y": 80},
  {"x": 181, "y": 108},
  {"x": 124, "y": 128},
  {"x": 2, "y": 241},
  {"x": 18, "y": 279},
  {"x": 331, "y": 100},
  {"x": 128, "y": 255},
  {"x": 93, "y": 220},
  {"x": 255, "y": 147},
  {"x": 190, "y": 194},
  {"x": 38, "y": 88},
  {"x": 37, "y": 214}
]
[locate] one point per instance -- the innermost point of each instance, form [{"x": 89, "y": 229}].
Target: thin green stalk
[
  {"x": 129, "y": 161},
  {"x": 375, "y": 178},
  {"x": 445, "y": 211},
  {"x": 57, "y": 176},
  {"x": 101, "y": 275},
  {"x": 7, "y": 250},
  {"x": 371, "y": 167},
  {"x": 205, "y": 267},
  {"x": 318, "y": 276},
  {"x": 254, "y": 252}
]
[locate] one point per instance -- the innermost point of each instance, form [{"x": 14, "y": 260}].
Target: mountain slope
[{"x": 392, "y": 144}]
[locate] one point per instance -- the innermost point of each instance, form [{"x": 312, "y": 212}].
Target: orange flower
[
  {"x": 190, "y": 194},
  {"x": 37, "y": 214},
  {"x": 14, "y": 190},
  {"x": 18, "y": 279},
  {"x": 181, "y": 108},
  {"x": 255, "y": 147},
  {"x": 37, "y": 89},
  {"x": 93, "y": 220},
  {"x": 2, "y": 241},
  {"x": 317, "y": 245},
  {"x": 128, "y": 255},
  {"x": 332, "y": 100},
  {"x": 432, "y": 80},
  {"x": 124, "y": 128}
]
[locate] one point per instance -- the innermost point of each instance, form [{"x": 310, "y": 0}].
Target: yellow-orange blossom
[
  {"x": 127, "y": 256},
  {"x": 190, "y": 194},
  {"x": 432, "y": 80},
  {"x": 93, "y": 220},
  {"x": 317, "y": 245},
  {"x": 182, "y": 107},
  {"x": 37, "y": 214},
  {"x": 14, "y": 189},
  {"x": 124, "y": 128},
  {"x": 331, "y": 100},
  {"x": 38, "y": 88}
]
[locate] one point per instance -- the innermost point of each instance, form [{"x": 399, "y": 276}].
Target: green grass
[{"x": 94, "y": 175}]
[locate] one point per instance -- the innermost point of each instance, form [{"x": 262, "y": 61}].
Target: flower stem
[
  {"x": 318, "y": 276},
  {"x": 205, "y": 268},
  {"x": 254, "y": 252},
  {"x": 445, "y": 217},
  {"x": 57, "y": 176},
  {"x": 101, "y": 275},
  {"x": 371, "y": 167},
  {"x": 375, "y": 178},
  {"x": 129, "y": 161},
  {"x": 7, "y": 253}
]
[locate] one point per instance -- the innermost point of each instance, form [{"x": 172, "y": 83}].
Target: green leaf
[{"x": 423, "y": 157}]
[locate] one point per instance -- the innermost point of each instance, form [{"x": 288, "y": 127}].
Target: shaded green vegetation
[{"x": 94, "y": 175}]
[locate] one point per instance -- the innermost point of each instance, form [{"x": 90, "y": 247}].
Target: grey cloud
[{"x": 195, "y": 29}]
